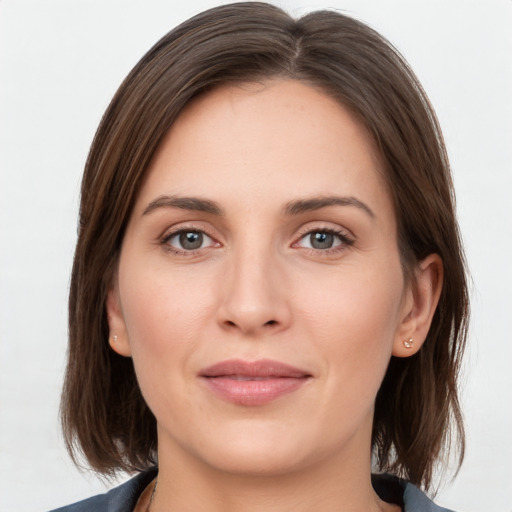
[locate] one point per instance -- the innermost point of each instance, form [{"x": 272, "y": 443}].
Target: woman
[{"x": 268, "y": 297}]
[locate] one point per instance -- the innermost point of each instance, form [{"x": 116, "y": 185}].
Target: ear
[
  {"x": 419, "y": 306},
  {"x": 118, "y": 336}
]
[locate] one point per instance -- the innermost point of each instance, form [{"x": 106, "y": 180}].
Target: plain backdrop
[{"x": 61, "y": 62}]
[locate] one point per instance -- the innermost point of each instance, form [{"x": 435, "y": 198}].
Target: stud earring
[
  {"x": 114, "y": 338},
  {"x": 408, "y": 343}
]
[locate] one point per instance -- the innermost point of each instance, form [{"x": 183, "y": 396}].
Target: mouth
[{"x": 253, "y": 383}]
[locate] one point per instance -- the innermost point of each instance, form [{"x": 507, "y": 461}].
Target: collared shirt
[{"x": 124, "y": 497}]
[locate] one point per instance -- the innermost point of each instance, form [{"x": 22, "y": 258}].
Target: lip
[{"x": 253, "y": 382}]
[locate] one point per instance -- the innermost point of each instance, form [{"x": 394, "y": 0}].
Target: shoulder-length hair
[{"x": 103, "y": 413}]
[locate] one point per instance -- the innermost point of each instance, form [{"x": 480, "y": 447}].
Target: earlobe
[
  {"x": 419, "y": 307},
  {"x": 118, "y": 338}
]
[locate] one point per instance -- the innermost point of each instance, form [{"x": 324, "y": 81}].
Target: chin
[
  {"x": 260, "y": 450},
  {"x": 256, "y": 461}
]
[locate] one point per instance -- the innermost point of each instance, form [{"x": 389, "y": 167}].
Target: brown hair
[{"x": 103, "y": 412}]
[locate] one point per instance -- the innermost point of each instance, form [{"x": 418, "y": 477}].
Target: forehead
[{"x": 271, "y": 138}]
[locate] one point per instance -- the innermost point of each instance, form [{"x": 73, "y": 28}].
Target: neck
[{"x": 187, "y": 485}]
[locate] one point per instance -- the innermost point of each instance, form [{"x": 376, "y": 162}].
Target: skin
[{"x": 255, "y": 289}]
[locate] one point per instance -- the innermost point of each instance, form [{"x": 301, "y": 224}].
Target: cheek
[
  {"x": 354, "y": 304},
  {"x": 162, "y": 319},
  {"x": 352, "y": 318},
  {"x": 163, "y": 314}
]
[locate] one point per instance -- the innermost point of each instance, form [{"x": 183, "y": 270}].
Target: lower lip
[{"x": 253, "y": 392}]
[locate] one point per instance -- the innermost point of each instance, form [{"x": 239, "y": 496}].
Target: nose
[{"x": 254, "y": 299}]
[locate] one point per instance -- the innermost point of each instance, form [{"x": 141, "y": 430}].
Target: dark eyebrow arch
[
  {"x": 316, "y": 203},
  {"x": 184, "y": 203}
]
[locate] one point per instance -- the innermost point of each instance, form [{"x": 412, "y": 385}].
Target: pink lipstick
[{"x": 253, "y": 383}]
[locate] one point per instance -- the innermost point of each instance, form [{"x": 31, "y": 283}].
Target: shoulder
[
  {"x": 120, "y": 499},
  {"x": 408, "y": 496},
  {"x": 416, "y": 501},
  {"x": 124, "y": 497}
]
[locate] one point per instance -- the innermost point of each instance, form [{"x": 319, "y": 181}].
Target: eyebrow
[
  {"x": 184, "y": 203},
  {"x": 316, "y": 203},
  {"x": 295, "y": 207}
]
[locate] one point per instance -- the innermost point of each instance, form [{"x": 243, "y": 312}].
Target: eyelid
[
  {"x": 312, "y": 227},
  {"x": 345, "y": 236},
  {"x": 184, "y": 227}
]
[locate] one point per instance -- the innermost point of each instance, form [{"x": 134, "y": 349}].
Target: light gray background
[{"x": 60, "y": 63}]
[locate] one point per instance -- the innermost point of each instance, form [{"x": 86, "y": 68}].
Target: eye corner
[
  {"x": 188, "y": 240},
  {"x": 328, "y": 240}
]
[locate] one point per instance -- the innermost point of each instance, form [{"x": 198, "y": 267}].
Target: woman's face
[{"x": 259, "y": 290}]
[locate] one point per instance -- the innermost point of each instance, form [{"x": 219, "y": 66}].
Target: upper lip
[{"x": 258, "y": 369}]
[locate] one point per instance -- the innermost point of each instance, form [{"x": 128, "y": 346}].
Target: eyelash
[
  {"x": 167, "y": 237},
  {"x": 344, "y": 238}
]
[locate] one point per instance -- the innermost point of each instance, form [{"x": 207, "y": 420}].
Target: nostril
[{"x": 244, "y": 326}]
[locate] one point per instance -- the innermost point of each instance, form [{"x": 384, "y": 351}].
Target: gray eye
[
  {"x": 190, "y": 240},
  {"x": 321, "y": 240}
]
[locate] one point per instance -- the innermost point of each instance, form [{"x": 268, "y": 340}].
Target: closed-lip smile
[{"x": 253, "y": 382}]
